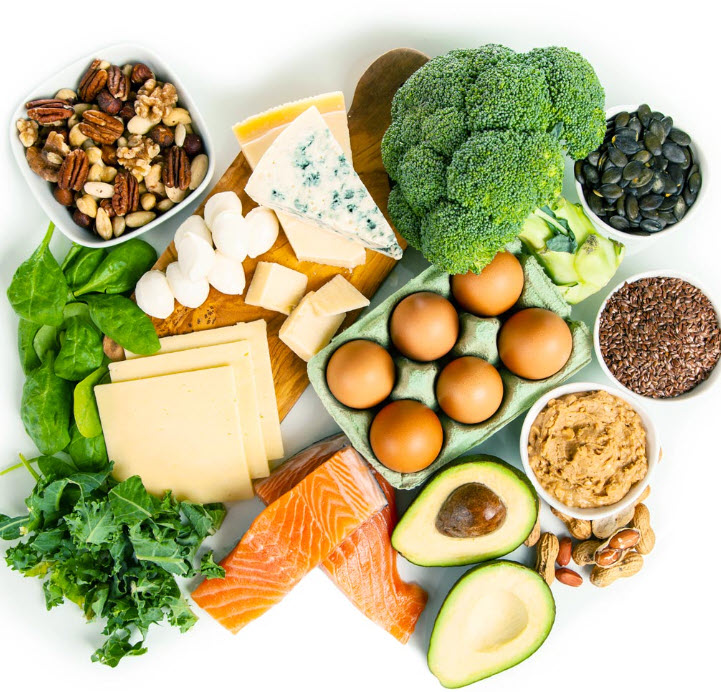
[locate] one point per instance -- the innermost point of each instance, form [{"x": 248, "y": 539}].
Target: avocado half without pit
[
  {"x": 473, "y": 511},
  {"x": 496, "y": 616}
]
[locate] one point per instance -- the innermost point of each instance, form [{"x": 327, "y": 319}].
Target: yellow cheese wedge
[
  {"x": 338, "y": 296},
  {"x": 275, "y": 287},
  {"x": 305, "y": 332},
  {"x": 237, "y": 355},
  {"x": 255, "y": 333},
  {"x": 178, "y": 432},
  {"x": 255, "y": 134}
]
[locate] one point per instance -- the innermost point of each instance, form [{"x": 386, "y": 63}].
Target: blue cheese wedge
[{"x": 306, "y": 174}]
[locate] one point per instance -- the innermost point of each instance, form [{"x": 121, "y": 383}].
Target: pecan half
[
  {"x": 176, "y": 172},
  {"x": 74, "y": 171},
  {"x": 118, "y": 83},
  {"x": 101, "y": 127},
  {"x": 92, "y": 82},
  {"x": 126, "y": 194},
  {"x": 47, "y": 111}
]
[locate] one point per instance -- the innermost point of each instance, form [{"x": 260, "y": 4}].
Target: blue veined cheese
[{"x": 305, "y": 174}]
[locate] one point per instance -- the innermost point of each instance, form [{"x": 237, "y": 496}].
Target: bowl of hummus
[{"x": 589, "y": 449}]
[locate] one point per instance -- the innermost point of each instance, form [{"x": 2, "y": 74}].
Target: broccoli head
[{"x": 476, "y": 143}]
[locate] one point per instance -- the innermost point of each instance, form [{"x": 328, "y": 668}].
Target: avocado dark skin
[{"x": 471, "y": 510}]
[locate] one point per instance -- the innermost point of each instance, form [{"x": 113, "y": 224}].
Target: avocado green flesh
[
  {"x": 494, "y": 618},
  {"x": 418, "y": 539}
]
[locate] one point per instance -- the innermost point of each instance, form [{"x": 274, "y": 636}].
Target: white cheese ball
[
  {"x": 262, "y": 224},
  {"x": 153, "y": 295},
  {"x": 220, "y": 202},
  {"x": 195, "y": 256},
  {"x": 191, "y": 294},
  {"x": 230, "y": 235},
  {"x": 227, "y": 275},
  {"x": 193, "y": 225}
]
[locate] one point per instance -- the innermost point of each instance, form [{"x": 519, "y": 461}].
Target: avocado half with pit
[
  {"x": 476, "y": 510},
  {"x": 496, "y": 616}
]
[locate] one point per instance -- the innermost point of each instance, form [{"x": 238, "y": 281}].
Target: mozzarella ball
[
  {"x": 153, "y": 295},
  {"x": 195, "y": 256},
  {"x": 262, "y": 224},
  {"x": 227, "y": 275},
  {"x": 220, "y": 202},
  {"x": 193, "y": 225},
  {"x": 191, "y": 294},
  {"x": 230, "y": 235}
]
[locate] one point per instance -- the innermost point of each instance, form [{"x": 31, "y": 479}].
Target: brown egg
[
  {"x": 494, "y": 290},
  {"x": 406, "y": 436},
  {"x": 535, "y": 343},
  {"x": 424, "y": 326},
  {"x": 360, "y": 374},
  {"x": 469, "y": 390}
]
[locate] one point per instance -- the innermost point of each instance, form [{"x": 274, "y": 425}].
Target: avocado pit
[{"x": 470, "y": 511}]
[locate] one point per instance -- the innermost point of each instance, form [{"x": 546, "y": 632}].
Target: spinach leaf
[
  {"x": 38, "y": 290},
  {"x": 76, "y": 310},
  {"x": 85, "y": 408},
  {"x": 124, "y": 322},
  {"x": 55, "y": 467},
  {"x": 81, "y": 352},
  {"x": 87, "y": 453},
  {"x": 46, "y": 342},
  {"x": 80, "y": 264},
  {"x": 120, "y": 270},
  {"x": 45, "y": 408},
  {"x": 131, "y": 502},
  {"x": 209, "y": 568},
  {"x": 26, "y": 334}
]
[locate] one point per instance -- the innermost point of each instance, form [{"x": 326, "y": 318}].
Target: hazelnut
[
  {"x": 64, "y": 197},
  {"x": 193, "y": 145},
  {"x": 83, "y": 220},
  {"x": 141, "y": 73},
  {"x": 127, "y": 111},
  {"x": 109, "y": 155},
  {"x": 162, "y": 135},
  {"x": 108, "y": 102}
]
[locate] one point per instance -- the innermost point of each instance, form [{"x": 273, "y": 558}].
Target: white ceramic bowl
[
  {"x": 701, "y": 388},
  {"x": 635, "y": 242},
  {"x": 653, "y": 451},
  {"x": 69, "y": 77}
]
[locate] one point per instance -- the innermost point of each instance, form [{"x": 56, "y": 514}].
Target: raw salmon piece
[
  {"x": 291, "y": 537},
  {"x": 364, "y": 565}
]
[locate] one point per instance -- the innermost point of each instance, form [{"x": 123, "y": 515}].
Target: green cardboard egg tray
[{"x": 414, "y": 380}]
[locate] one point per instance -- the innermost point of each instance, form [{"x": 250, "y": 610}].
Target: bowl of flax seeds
[{"x": 658, "y": 336}]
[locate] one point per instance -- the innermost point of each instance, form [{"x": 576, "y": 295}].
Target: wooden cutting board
[{"x": 368, "y": 119}]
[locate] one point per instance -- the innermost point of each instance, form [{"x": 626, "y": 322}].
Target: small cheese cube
[
  {"x": 305, "y": 332},
  {"x": 275, "y": 287},
  {"x": 338, "y": 296}
]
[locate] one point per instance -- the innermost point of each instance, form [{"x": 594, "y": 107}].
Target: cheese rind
[
  {"x": 238, "y": 356},
  {"x": 255, "y": 333},
  {"x": 338, "y": 296},
  {"x": 275, "y": 287},
  {"x": 178, "y": 432},
  {"x": 306, "y": 333},
  {"x": 306, "y": 174}
]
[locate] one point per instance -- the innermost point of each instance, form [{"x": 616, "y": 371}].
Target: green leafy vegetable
[
  {"x": 80, "y": 264},
  {"x": 85, "y": 408},
  {"x": 124, "y": 322},
  {"x": 38, "y": 290},
  {"x": 82, "y": 350},
  {"x": 46, "y": 342},
  {"x": 26, "y": 350},
  {"x": 120, "y": 270},
  {"x": 111, "y": 548},
  {"x": 45, "y": 408},
  {"x": 87, "y": 453},
  {"x": 209, "y": 568}
]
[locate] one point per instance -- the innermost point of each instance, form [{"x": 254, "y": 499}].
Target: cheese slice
[
  {"x": 255, "y": 135},
  {"x": 178, "y": 432},
  {"x": 237, "y": 355},
  {"x": 338, "y": 296},
  {"x": 305, "y": 332},
  {"x": 306, "y": 174},
  {"x": 255, "y": 334},
  {"x": 275, "y": 287}
]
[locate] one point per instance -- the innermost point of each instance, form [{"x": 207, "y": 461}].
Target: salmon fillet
[
  {"x": 292, "y": 536},
  {"x": 364, "y": 565}
]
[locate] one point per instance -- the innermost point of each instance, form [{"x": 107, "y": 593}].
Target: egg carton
[{"x": 414, "y": 380}]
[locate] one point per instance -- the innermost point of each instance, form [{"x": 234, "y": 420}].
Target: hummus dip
[{"x": 588, "y": 449}]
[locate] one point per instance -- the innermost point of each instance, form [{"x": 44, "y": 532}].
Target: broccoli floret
[
  {"x": 577, "y": 98},
  {"x": 477, "y": 142}
]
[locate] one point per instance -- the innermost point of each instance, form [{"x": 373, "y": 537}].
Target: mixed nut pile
[
  {"x": 118, "y": 151},
  {"x": 643, "y": 177}
]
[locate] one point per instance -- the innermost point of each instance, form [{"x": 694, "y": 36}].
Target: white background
[{"x": 657, "y": 630}]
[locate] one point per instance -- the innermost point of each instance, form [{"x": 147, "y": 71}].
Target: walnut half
[
  {"x": 155, "y": 100},
  {"x": 137, "y": 156}
]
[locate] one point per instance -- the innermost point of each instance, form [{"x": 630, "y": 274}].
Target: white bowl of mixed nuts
[
  {"x": 112, "y": 145},
  {"x": 657, "y": 335}
]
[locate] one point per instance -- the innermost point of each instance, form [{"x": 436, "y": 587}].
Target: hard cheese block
[
  {"x": 306, "y": 174},
  {"x": 178, "y": 432},
  {"x": 255, "y": 334},
  {"x": 338, "y": 296},
  {"x": 255, "y": 135},
  {"x": 275, "y": 287},
  {"x": 237, "y": 355},
  {"x": 305, "y": 332}
]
